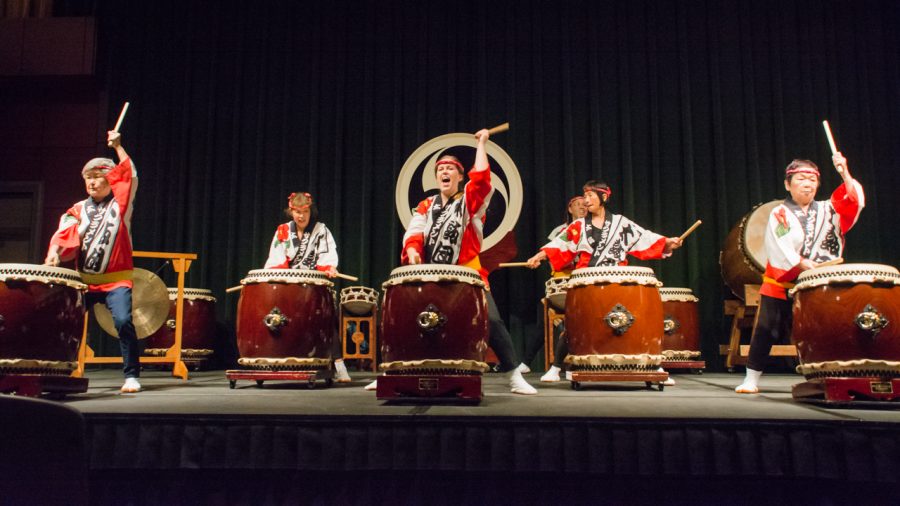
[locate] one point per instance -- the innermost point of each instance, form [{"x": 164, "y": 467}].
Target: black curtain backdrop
[{"x": 690, "y": 110}]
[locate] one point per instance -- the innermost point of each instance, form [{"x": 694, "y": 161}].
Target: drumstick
[
  {"x": 693, "y": 227},
  {"x": 836, "y": 261},
  {"x": 513, "y": 264},
  {"x": 121, "y": 117},
  {"x": 347, "y": 277},
  {"x": 234, "y": 289},
  {"x": 499, "y": 128},
  {"x": 831, "y": 142}
]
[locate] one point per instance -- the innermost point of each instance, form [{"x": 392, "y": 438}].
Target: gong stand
[
  {"x": 425, "y": 387},
  {"x": 865, "y": 390},
  {"x": 181, "y": 263}
]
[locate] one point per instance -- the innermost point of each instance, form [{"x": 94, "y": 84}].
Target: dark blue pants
[{"x": 118, "y": 301}]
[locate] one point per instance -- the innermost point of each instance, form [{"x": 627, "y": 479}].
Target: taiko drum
[
  {"x": 434, "y": 316},
  {"x": 846, "y": 321},
  {"x": 41, "y": 318},
  {"x": 286, "y": 318},
  {"x": 614, "y": 318}
]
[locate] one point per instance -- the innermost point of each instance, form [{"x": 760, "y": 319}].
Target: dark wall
[{"x": 690, "y": 110}]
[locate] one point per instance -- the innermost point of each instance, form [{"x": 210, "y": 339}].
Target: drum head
[
  {"x": 149, "y": 306},
  {"x": 753, "y": 235},
  {"x": 359, "y": 300}
]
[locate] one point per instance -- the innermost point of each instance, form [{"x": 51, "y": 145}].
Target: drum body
[
  {"x": 286, "y": 319},
  {"x": 555, "y": 292},
  {"x": 614, "y": 319},
  {"x": 359, "y": 300},
  {"x": 743, "y": 257},
  {"x": 681, "y": 324},
  {"x": 198, "y": 328},
  {"x": 846, "y": 321},
  {"x": 41, "y": 319},
  {"x": 434, "y": 318}
]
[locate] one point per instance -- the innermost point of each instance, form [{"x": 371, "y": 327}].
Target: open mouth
[{"x": 445, "y": 179}]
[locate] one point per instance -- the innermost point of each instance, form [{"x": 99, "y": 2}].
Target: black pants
[
  {"x": 562, "y": 345},
  {"x": 499, "y": 338},
  {"x": 774, "y": 325}
]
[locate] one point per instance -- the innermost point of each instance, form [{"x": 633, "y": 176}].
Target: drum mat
[
  {"x": 435, "y": 364},
  {"x": 860, "y": 367}
]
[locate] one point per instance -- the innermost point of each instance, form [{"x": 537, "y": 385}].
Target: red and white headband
[
  {"x": 450, "y": 161},
  {"x": 302, "y": 207}
]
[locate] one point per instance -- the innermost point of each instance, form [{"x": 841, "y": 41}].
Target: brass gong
[{"x": 149, "y": 306}]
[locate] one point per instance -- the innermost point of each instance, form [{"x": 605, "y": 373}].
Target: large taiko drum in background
[
  {"x": 41, "y": 319},
  {"x": 846, "y": 321},
  {"x": 198, "y": 329},
  {"x": 287, "y": 320},
  {"x": 434, "y": 320},
  {"x": 614, "y": 319},
  {"x": 681, "y": 325},
  {"x": 743, "y": 257},
  {"x": 555, "y": 293}
]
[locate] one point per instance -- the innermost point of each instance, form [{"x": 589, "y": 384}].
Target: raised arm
[
  {"x": 114, "y": 140},
  {"x": 481, "y": 159}
]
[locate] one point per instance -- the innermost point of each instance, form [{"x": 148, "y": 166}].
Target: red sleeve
[
  {"x": 477, "y": 189},
  {"x": 653, "y": 252},
  {"x": 415, "y": 237},
  {"x": 120, "y": 179},
  {"x": 848, "y": 201},
  {"x": 66, "y": 238}
]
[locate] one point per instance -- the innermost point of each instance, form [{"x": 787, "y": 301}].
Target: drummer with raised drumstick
[
  {"x": 96, "y": 232},
  {"x": 801, "y": 234},
  {"x": 447, "y": 229},
  {"x": 601, "y": 238},
  {"x": 306, "y": 243}
]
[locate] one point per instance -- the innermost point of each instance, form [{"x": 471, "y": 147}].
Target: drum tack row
[{"x": 621, "y": 325}]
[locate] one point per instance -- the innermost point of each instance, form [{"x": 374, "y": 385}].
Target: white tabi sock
[
  {"x": 552, "y": 374},
  {"x": 524, "y": 369},
  {"x": 518, "y": 385},
  {"x": 340, "y": 372},
  {"x": 751, "y": 382}
]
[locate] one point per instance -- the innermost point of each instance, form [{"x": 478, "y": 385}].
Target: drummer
[
  {"x": 447, "y": 229},
  {"x": 96, "y": 232},
  {"x": 601, "y": 238},
  {"x": 800, "y": 234},
  {"x": 574, "y": 210},
  {"x": 306, "y": 243}
]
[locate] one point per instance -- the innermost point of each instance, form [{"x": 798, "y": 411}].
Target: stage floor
[
  {"x": 200, "y": 442},
  {"x": 704, "y": 396}
]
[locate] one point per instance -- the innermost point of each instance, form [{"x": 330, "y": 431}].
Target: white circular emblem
[{"x": 507, "y": 184}]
